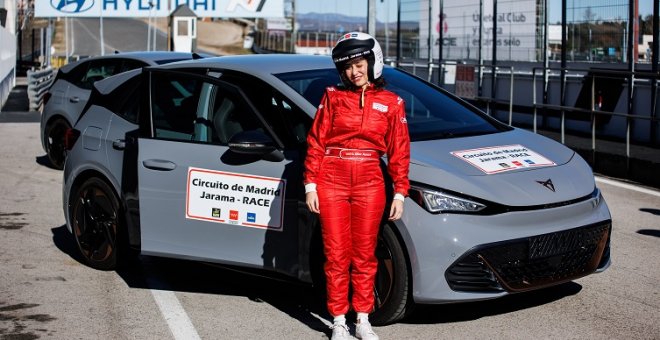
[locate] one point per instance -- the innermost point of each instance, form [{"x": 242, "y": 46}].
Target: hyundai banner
[{"x": 159, "y": 8}]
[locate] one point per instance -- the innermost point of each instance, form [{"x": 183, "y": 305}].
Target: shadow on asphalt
[
  {"x": 649, "y": 232},
  {"x": 299, "y": 301},
  {"x": 65, "y": 242},
  {"x": 433, "y": 314},
  {"x": 295, "y": 299},
  {"x": 650, "y": 211},
  {"x": 44, "y": 161}
]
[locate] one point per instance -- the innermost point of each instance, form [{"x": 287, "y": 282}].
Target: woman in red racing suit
[{"x": 354, "y": 126}]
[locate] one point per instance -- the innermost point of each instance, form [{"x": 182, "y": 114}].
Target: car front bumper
[{"x": 460, "y": 257}]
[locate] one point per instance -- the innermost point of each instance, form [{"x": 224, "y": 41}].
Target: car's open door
[{"x": 201, "y": 199}]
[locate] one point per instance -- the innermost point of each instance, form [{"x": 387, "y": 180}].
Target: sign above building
[
  {"x": 464, "y": 24},
  {"x": 159, "y": 8}
]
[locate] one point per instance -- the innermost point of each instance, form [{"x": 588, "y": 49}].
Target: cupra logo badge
[
  {"x": 548, "y": 184},
  {"x": 72, "y": 6}
]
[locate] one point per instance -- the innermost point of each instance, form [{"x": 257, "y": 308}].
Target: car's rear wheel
[
  {"x": 54, "y": 137},
  {"x": 95, "y": 221},
  {"x": 392, "y": 288}
]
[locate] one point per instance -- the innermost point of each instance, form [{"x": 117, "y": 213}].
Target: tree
[{"x": 646, "y": 24}]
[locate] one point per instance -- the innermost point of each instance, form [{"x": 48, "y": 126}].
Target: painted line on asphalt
[
  {"x": 324, "y": 321},
  {"x": 176, "y": 317},
  {"x": 627, "y": 186}
]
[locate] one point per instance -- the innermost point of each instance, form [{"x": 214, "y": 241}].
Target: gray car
[
  {"x": 72, "y": 86},
  {"x": 202, "y": 160}
]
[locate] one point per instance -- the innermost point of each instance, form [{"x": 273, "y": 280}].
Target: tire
[
  {"x": 96, "y": 223},
  {"x": 54, "y": 140},
  {"x": 392, "y": 287}
]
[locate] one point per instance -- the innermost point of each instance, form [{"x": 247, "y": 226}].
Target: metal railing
[
  {"x": 495, "y": 71},
  {"x": 594, "y": 110},
  {"x": 38, "y": 84}
]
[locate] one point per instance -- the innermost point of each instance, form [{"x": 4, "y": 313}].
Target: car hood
[{"x": 441, "y": 164}]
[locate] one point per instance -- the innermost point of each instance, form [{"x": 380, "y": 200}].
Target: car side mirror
[{"x": 253, "y": 142}]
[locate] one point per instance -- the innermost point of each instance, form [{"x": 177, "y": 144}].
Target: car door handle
[
  {"x": 74, "y": 99},
  {"x": 159, "y": 164},
  {"x": 119, "y": 144}
]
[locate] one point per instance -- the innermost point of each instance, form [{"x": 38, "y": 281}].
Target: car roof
[
  {"x": 260, "y": 65},
  {"x": 149, "y": 57}
]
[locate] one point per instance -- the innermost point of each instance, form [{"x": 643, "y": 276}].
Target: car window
[
  {"x": 228, "y": 115},
  {"x": 434, "y": 114},
  {"x": 311, "y": 84},
  {"x": 128, "y": 64},
  {"x": 130, "y": 106},
  {"x": 174, "y": 105},
  {"x": 77, "y": 73},
  {"x": 431, "y": 113},
  {"x": 97, "y": 70},
  {"x": 286, "y": 120},
  {"x": 294, "y": 122},
  {"x": 188, "y": 108}
]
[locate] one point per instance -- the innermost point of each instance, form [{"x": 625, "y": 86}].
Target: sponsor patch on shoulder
[
  {"x": 379, "y": 107},
  {"x": 404, "y": 120},
  {"x": 399, "y": 100}
]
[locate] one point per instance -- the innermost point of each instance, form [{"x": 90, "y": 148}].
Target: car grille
[{"x": 532, "y": 262}]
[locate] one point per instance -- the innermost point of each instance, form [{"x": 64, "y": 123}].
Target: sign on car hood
[
  {"x": 515, "y": 150},
  {"x": 557, "y": 175}
]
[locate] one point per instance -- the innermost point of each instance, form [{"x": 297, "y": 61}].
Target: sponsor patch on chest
[{"x": 379, "y": 107}]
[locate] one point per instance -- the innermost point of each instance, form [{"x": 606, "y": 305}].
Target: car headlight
[{"x": 435, "y": 201}]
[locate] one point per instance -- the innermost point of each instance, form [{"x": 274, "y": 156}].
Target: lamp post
[
  {"x": 399, "y": 39},
  {"x": 153, "y": 25},
  {"x": 151, "y": 5},
  {"x": 101, "y": 28}
]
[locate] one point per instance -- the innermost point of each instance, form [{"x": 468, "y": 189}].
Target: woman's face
[{"x": 356, "y": 72}]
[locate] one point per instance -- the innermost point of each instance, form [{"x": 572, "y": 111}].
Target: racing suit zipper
[{"x": 363, "y": 110}]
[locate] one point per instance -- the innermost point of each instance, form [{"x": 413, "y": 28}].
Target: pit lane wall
[{"x": 7, "y": 50}]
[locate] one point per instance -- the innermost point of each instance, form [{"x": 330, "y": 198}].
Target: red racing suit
[{"x": 351, "y": 188}]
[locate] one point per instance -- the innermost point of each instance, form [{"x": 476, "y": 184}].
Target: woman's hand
[
  {"x": 396, "y": 210},
  {"x": 312, "y": 200}
]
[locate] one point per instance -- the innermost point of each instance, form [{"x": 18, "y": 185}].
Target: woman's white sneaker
[
  {"x": 340, "y": 332},
  {"x": 363, "y": 331}
]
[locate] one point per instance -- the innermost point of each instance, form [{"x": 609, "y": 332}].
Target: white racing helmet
[{"x": 355, "y": 45}]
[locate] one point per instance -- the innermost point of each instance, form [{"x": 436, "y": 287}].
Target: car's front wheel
[
  {"x": 54, "y": 137},
  {"x": 95, "y": 222},
  {"x": 392, "y": 286}
]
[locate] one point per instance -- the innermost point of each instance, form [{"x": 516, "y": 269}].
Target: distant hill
[{"x": 332, "y": 22}]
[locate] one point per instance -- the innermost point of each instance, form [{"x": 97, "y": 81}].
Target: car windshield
[{"x": 431, "y": 113}]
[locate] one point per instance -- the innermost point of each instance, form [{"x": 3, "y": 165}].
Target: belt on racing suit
[{"x": 352, "y": 154}]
